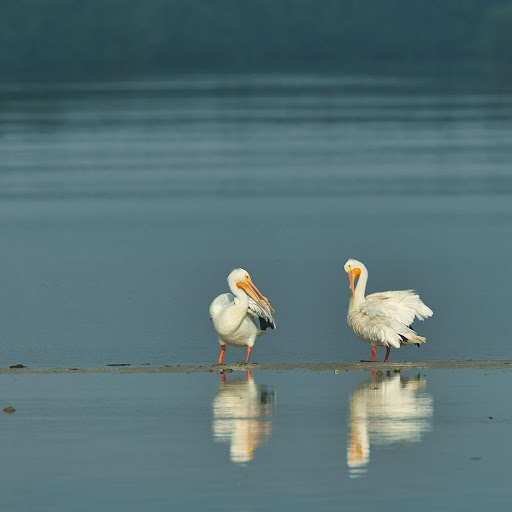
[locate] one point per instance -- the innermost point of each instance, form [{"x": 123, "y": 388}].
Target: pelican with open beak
[{"x": 241, "y": 316}]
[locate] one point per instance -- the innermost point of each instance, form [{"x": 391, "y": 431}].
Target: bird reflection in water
[
  {"x": 385, "y": 410},
  {"x": 242, "y": 413}
]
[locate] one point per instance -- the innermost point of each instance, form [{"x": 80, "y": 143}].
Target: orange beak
[
  {"x": 352, "y": 274},
  {"x": 253, "y": 292}
]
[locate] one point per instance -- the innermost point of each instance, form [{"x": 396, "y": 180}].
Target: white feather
[
  {"x": 236, "y": 316},
  {"x": 384, "y": 319}
]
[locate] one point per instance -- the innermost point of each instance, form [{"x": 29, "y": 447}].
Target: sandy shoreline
[{"x": 481, "y": 364}]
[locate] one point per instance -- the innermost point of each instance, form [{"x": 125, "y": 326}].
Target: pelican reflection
[
  {"x": 386, "y": 410},
  {"x": 242, "y": 413}
]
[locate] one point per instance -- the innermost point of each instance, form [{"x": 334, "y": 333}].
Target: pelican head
[
  {"x": 354, "y": 268},
  {"x": 240, "y": 278}
]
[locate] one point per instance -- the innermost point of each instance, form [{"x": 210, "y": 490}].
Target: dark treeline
[{"x": 80, "y": 38}]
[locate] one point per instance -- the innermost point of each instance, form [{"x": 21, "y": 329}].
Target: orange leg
[
  {"x": 374, "y": 353},
  {"x": 222, "y": 352},
  {"x": 387, "y": 354},
  {"x": 223, "y": 378},
  {"x": 249, "y": 376},
  {"x": 248, "y": 354}
]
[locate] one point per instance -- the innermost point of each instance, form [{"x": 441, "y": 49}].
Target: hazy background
[
  {"x": 63, "y": 39},
  {"x": 146, "y": 149}
]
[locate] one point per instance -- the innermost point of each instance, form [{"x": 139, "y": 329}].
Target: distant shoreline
[{"x": 41, "y": 40}]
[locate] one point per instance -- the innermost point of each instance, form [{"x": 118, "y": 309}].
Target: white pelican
[
  {"x": 383, "y": 319},
  {"x": 234, "y": 316}
]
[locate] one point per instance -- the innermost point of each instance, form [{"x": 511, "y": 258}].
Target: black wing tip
[
  {"x": 264, "y": 323},
  {"x": 404, "y": 339}
]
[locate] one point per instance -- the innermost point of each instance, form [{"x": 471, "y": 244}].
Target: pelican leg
[
  {"x": 374, "y": 353},
  {"x": 222, "y": 352},
  {"x": 248, "y": 354},
  {"x": 387, "y": 354}
]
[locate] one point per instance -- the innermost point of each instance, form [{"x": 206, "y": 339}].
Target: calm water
[
  {"x": 310, "y": 441},
  {"x": 123, "y": 206}
]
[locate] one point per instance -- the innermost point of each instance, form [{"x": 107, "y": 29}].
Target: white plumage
[
  {"x": 241, "y": 316},
  {"x": 383, "y": 319}
]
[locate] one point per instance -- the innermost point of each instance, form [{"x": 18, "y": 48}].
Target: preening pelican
[
  {"x": 241, "y": 316},
  {"x": 383, "y": 319}
]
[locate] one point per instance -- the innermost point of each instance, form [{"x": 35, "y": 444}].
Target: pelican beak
[
  {"x": 251, "y": 290},
  {"x": 352, "y": 274}
]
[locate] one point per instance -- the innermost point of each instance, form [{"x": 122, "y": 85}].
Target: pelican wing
[
  {"x": 254, "y": 310},
  {"x": 220, "y": 303},
  {"x": 398, "y": 306},
  {"x": 258, "y": 312}
]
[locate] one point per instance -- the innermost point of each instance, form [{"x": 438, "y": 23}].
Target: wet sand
[{"x": 124, "y": 368}]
